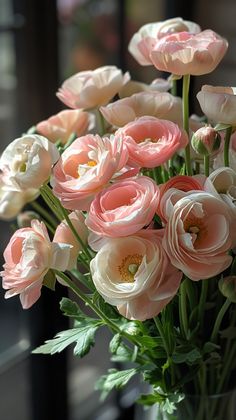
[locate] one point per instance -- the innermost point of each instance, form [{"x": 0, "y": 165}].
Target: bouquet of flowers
[{"x": 138, "y": 221}]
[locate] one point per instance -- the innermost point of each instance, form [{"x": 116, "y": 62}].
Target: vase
[{"x": 192, "y": 407}]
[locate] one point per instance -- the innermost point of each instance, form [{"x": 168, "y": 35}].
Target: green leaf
[
  {"x": 115, "y": 343},
  {"x": 71, "y": 309},
  {"x": 150, "y": 399},
  {"x": 220, "y": 126},
  {"x": 153, "y": 377},
  {"x": 229, "y": 332},
  {"x": 50, "y": 280},
  {"x": 209, "y": 347},
  {"x": 123, "y": 354},
  {"x": 107, "y": 309},
  {"x": 83, "y": 337},
  {"x": 114, "y": 379},
  {"x": 191, "y": 357}
]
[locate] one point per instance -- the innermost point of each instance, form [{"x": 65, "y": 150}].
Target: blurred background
[{"x": 41, "y": 44}]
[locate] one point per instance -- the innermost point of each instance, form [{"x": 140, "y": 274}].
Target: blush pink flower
[
  {"x": 64, "y": 234},
  {"x": 85, "y": 168},
  {"x": 124, "y": 208},
  {"x": 91, "y": 89},
  {"x": 179, "y": 182},
  {"x": 191, "y": 239},
  {"x": 157, "y": 104},
  {"x": 62, "y": 125},
  {"x": 144, "y": 40},
  {"x": 135, "y": 274},
  {"x": 151, "y": 142},
  {"x": 218, "y": 103},
  {"x": 132, "y": 87},
  {"x": 28, "y": 257},
  {"x": 184, "y": 53},
  {"x": 27, "y": 161}
]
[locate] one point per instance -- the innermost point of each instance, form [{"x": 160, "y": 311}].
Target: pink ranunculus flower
[
  {"x": 62, "y": 125},
  {"x": 198, "y": 234},
  {"x": 124, "y": 208},
  {"x": 184, "y": 53},
  {"x": 92, "y": 88},
  {"x": 135, "y": 274},
  {"x": 85, "y": 168},
  {"x": 28, "y": 160},
  {"x": 28, "y": 257},
  {"x": 64, "y": 234},
  {"x": 179, "y": 182},
  {"x": 151, "y": 142},
  {"x": 218, "y": 103},
  {"x": 157, "y": 104},
  {"x": 142, "y": 42}
]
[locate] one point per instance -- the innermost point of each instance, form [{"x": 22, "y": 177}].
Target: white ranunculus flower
[{"x": 27, "y": 161}]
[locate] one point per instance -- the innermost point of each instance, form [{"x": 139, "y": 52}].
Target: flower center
[
  {"x": 129, "y": 267},
  {"x": 83, "y": 168},
  {"x": 197, "y": 229}
]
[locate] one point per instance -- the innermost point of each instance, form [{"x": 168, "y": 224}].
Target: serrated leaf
[
  {"x": 114, "y": 343},
  {"x": 123, "y": 354},
  {"x": 71, "y": 309},
  {"x": 107, "y": 309},
  {"x": 153, "y": 377},
  {"x": 114, "y": 379},
  {"x": 150, "y": 399},
  {"x": 83, "y": 337},
  {"x": 50, "y": 280}
]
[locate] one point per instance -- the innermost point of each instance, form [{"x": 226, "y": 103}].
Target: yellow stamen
[{"x": 129, "y": 267}]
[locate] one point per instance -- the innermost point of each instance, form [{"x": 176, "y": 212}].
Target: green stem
[
  {"x": 183, "y": 309},
  {"x": 226, "y": 145},
  {"x": 165, "y": 343},
  {"x": 185, "y": 98},
  {"x": 42, "y": 212},
  {"x": 50, "y": 203},
  {"x": 70, "y": 140},
  {"x": 202, "y": 301},
  {"x": 219, "y": 318},
  {"x": 157, "y": 175},
  {"x": 100, "y": 122},
  {"x": 162, "y": 335},
  {"x": 173, "y": 90},
  {"x": 104, "y": 318},
  {"x": 206, "y": 165}
]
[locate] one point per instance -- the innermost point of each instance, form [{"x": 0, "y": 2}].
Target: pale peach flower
[
  {"x": 62, "y": 125},
  {"x": 28, "y": 257},
  {"x": 124, "y": 208},
  {"x": 64, "y": 234},
  {"x": 132, "y": 87},
  {"x": 143, "y": 41},
  {"x": 85, "y": 168},
  {"x": 198, "y": 234},
  {"x": 150, "y": 141},
  {"x": 218, "y": 103},
  {"x": 12, "y": 199},
  {"x": 92, "y": 88},
  {"x": 28, "y": 160},
  {"x": 157, "y": 104},
  {"x": 135, "y": 274},
  {"x": 184, "y": 53}
]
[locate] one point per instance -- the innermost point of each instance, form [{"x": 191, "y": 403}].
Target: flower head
[{"x": 91, "y": 89}]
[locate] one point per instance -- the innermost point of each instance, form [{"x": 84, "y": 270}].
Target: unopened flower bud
[
  {"x": 227, "y": 286},
  {"x": 24, "y": 219},
  {"x": 206, "y": 141}
]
